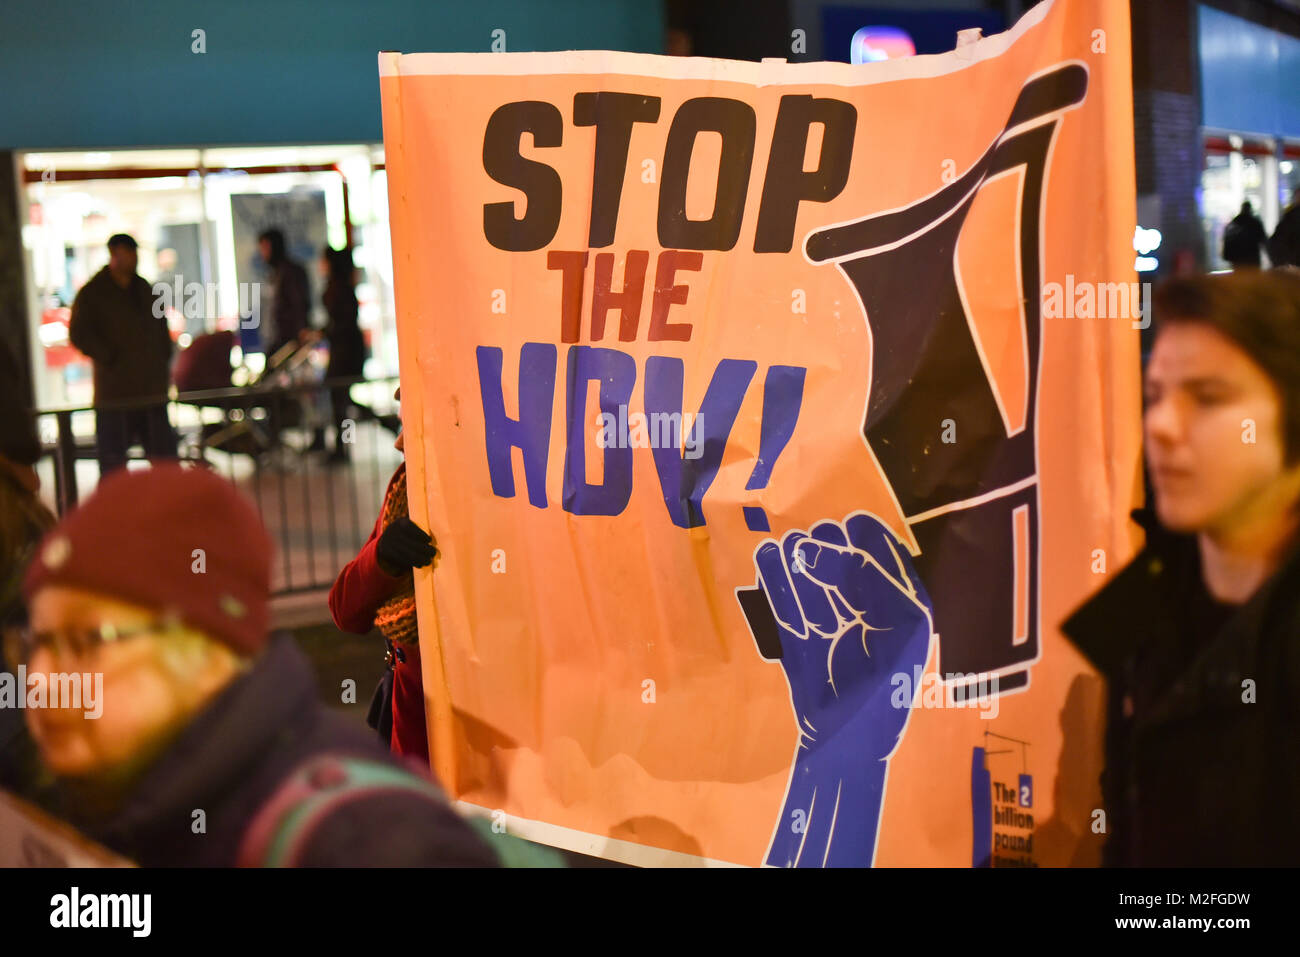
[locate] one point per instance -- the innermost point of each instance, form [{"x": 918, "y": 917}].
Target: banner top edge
[{"x": 763, "y": 73}]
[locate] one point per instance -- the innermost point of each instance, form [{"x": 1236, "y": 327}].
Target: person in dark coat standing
[
  {"x": 1284, "y": 246},
  {"x": 343, "y": 333},
  {"x": 288, "y": 295},
  {"x": 1199, "y": 636},
  {"x": 205, "y": 744},
  {"x": 285, "y": 302},
  {"x": 347, "y": 351},
  {"x": 117, "y": 324},
  {"x": 342, "y": 329},
  {"x": 1243, "y": 239}
]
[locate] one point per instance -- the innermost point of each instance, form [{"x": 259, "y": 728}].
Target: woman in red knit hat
[
  {"x": 155, "y": 595},
  {"x": 377, "y": 590}
]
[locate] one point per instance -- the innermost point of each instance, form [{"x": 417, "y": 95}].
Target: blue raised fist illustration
[{"x": 850, "y": 613}]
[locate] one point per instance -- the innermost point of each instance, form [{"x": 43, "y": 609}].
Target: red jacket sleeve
[{"x": 361, "y": 588}]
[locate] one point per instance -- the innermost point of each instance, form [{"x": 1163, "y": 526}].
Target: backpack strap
[{"x": 283, "y": 825}]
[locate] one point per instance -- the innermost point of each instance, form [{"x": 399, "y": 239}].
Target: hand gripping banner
[{"x": 744, "y": 559}]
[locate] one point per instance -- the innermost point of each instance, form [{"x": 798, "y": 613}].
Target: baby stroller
[{"x": 252, "y": 423}]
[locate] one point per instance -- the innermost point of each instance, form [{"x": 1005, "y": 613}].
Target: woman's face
[
  {"x": 134, "y": 692},
  {"x": 1213, "y": 424}
]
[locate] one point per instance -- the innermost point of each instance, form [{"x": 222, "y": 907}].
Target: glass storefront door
[{"x": 1234, "y": 171}]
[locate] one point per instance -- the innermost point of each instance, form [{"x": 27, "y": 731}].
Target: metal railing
[{"x": 318, "y": 510}]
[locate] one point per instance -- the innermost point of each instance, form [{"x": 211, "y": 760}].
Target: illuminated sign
[
  {"x": 871, "y": 44},
  {"x": 1146, "y": 241}
]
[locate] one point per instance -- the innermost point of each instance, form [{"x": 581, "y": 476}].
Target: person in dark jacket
[
  {"x": 342, "y": 330},
  {"x": 210, "y": 747},
  {"x": 1243, "y": 239},
  {"x": 287, "y": 294},
  {"x": 1284, "y": 246},
  {"x": 1199, "y": 636},
  {"x": 115, "y": 323},
  {"x": 347, "y": 350},
  {"x": 343, "y": 333},
  {"x": 376, "y": 589},
  {"x": 285, "y": 302}
]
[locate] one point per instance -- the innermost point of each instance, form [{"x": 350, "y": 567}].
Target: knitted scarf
[{"x": 395, "y": 618}]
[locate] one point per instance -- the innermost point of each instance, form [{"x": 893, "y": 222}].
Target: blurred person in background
[
  {"x": 1199, "y": 636},
  {"x": 211, "y": 747},
  {"x": 376, "y": 589},
  {"x": 23, "y": 520},
  {"x": 1243, "y": 239},
  {"x": 113, "y": 322},
  {"x": 342, "y": 331},
  {"x": 347, "y": 349},
  {"x": 285, "y": 296},
  {"x": 1284, "y": 247},
  {"x": 285, "y": 304}
]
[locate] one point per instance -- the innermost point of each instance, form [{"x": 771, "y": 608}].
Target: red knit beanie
[{"x": 180, "y": 540}]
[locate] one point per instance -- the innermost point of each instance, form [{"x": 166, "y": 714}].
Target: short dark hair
[
  {"x": 122, "y": 239},
  {"x": 276, "y": 239},
  {"x": 340, "y": 263},
  {"x": 1259, "y": 310}
]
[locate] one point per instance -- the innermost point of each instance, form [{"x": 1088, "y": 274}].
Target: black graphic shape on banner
[{"x": 972, "y": 504}]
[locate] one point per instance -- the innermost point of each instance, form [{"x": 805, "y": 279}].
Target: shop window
[
  {"x": 195, "y": 214},
  {"x": 1235, "y": 170}
]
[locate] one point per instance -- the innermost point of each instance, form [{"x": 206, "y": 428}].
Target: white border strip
[
  {"x": 997, "y": 493},
  {"x": 610, "y": 848},
  {"x": 765, "y": 73}
]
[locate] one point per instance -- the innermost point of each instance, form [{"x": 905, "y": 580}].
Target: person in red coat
[{"x": 377, "y": 590}]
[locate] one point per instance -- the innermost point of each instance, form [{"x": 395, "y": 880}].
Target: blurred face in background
[
  {"x": 153, "y": 681},
  {"x": 1213, "y": 431},
  {"x": 123, "y": 260}
]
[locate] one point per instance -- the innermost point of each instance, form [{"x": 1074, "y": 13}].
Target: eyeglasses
[{"x": 21, "y": 642}]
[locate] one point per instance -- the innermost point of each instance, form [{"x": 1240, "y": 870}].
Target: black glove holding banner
[{"x": 403, "y": 545}]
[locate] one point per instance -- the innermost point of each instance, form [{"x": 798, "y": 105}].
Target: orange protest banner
[{"x": 762, "y": 462}]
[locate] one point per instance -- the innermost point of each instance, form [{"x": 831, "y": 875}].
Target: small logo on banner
[{"x": 1002, "y": 823}]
